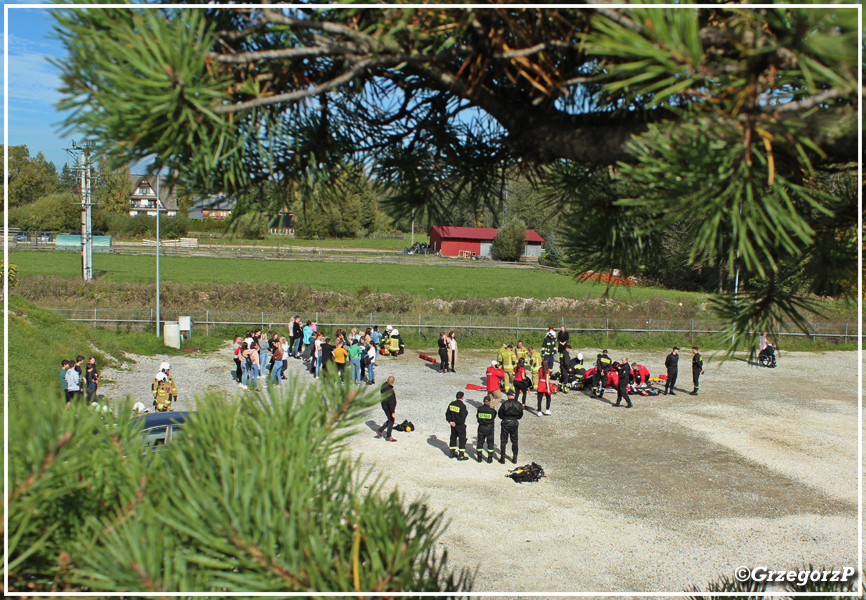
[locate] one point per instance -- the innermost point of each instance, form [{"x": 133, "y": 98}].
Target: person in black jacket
[
  {"x": 456, "y": 416},
  {"x": 486, "y": 427},
  {"x": 697, "y": 369},
  {"x": 444, "y": 350},
  {"x": 510, "y": 414},
  {"x": 671, "y": 365},
  {"x": 389, "y": 405},
  {"x": 565, "y": 370},
  {"x": 297, "y": 337},
  {"x": 603, "y": 364},
  {"x": 623, "y": 371},
  {"x": 561, "y": 340}
]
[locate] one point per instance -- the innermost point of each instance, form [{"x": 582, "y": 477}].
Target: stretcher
[{"x": 427, "y": 358}]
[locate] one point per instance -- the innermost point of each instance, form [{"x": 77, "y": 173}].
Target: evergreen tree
[
  {"x": 113, "y": 187},
  {"x": 715, "y": 110}
]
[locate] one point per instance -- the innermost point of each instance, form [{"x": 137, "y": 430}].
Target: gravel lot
[{"x": 760, "y": 469}]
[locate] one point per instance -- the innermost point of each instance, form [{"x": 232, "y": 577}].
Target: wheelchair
[{"x": 767, "y": 360}]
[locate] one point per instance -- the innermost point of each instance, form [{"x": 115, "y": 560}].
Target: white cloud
[{"x": 32, "y": 79}]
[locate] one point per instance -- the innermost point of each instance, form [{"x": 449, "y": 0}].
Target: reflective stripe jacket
[{"x": 456, "y": 413}]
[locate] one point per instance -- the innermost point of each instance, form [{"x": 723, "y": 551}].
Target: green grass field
[{"x": 428, "y": 281}]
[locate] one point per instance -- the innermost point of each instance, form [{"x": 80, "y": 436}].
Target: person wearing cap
[
  {"x": 603, "y": 365},
  {"x": 671, "y": 365},
  {"x": 486, "y": 428},
  {"x": 623, "y": 370},
  {"x": 494, "y": 376},
  {"x": 548, "y": 347},
  {"x": 697, "y": 369},
  {"x": 389, "y": 406},
  {"x": 509, "y": 414},
  {"x": 456, "y": 417}
]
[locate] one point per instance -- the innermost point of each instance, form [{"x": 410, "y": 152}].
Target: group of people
[
  {"x": 266, "y": 356},
  {"x": 79, "y": 382}
]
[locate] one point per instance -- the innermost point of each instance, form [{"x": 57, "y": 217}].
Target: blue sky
[{"x": 33, "y": 118}]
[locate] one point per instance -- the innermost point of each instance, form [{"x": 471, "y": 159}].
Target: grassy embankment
[{"x": 40, "y": 339}]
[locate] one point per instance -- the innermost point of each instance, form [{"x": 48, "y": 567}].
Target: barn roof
[{"x": 477, "y": 233}]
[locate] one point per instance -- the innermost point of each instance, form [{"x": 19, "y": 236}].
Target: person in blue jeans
[
  {"x": 255, "y": 369},
  {"x": 262, "y": 347},
  {"x": 370, "y": 359},
  {"x": 277, "y": 369},
  {"x": 355, "y": 352},
  {"x": 297, "y": 336}
]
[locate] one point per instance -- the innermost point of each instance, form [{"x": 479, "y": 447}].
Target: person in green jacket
[{"x": 355, "y": 359}]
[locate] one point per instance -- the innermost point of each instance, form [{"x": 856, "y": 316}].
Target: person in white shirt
[{"x": 371, "y": 360}]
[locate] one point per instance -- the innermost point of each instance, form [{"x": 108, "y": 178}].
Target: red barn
[{"x": 477, "y": 241}]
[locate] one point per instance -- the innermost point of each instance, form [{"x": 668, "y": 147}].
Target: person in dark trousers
[
  {"x": 564, "y": 368},
  {"x": 389, "y": 405},
  {"x": 444, "y": 351},
  {"x": 456, "y": 417},
  {"x": 510, "y": 414},
  {"x": 697, "y": 369},
  {"x": 561, "y": 340},
  {"x": 623, "y": 371},
  {"x": 486, "y": 428},
  {"x": 671, "y": 365},
  {"x": 603, "y": 364},
  {"x": 521, "y": 380},
  {"x": 548, "y": 347}
]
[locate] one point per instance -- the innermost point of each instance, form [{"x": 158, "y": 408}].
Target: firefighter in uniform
[
  {"x": 671, "y": 365},
  {"x": 622, "y": 384},
  {"x": 535, "y": 365},
  {"x": 697, "y": 369},
  {"x": 521, "y": 352},
  {"x": 548, "y": 347},
  {"x": 565, "y": 370},
  {"x": 508, "y": 361},
  {"x": 603, "y": 364},
  {"x": 395, "y": 343},
  {"x": 163, "y": 388},
  {"x": 486, "y": 429},
  {"x": 456, "y": 417},
  {"x": 510, "y": 414}
]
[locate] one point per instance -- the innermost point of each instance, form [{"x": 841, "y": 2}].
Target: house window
[{"x": 145, "y": 190}]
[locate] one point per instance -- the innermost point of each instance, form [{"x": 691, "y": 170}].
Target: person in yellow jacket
[
  {"x": 163, "y": 388},
  {"x": 535, "y": 363},
  {"x": 521, "y": 352},
  {"x": 508, "y": 361}
]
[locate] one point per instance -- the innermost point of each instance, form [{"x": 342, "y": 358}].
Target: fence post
[
  {"x": 207, "y": 323},
  {"x": 561, "y": 321},
  {"x": 692, "y": 331},
  {"x": 94, "y": 317},
  {"x": 813, "y": 332},
  {"x": 846, "y": 333},
  {"x": 317, "y": 316},
  {"x": 263, "y": 319},
  {"x": 518, "y": 327},
  {"x": 419, "y": 324},
  {"x": 606, "y": 327},
  {"x": 371, "y": 319}
]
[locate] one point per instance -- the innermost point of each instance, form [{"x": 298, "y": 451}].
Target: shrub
[
  {"x": 510, "y": 240},
  {"x": 279, "y": 506},
  {"x": 251, "y": 226}
]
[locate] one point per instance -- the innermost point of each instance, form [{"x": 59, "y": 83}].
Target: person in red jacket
[
  {"x": 494, "y": 376},
  {"x": 544, "y": 388}
]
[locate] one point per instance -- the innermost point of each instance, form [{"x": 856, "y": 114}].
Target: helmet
[
  {"x": 395, "y": 332},
  {"x": 580, "y": 356},
  {"x": 389, "y": 328},
  {"x": 160, "y": 376},
  {"x": 551, "y": 333},
  {"x": 139, "y": 407},
  {"x": 164, "y": 366}
]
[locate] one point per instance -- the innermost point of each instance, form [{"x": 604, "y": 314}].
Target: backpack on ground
[
  {"x": 531, "y": 473},
  {"x": 405, "y": 426}
]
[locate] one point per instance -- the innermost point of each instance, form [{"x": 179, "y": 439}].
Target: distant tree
[
  {"x": 30, "y": 178},
  {"x": 54, "y": 212},
  {"x": 68, "y": 181},
  {"x": 113, "y": 186},
  {"x": 510, "y": 241},
  {"x": 250, "y": 226},
  {"x": 554, "y": 252}
]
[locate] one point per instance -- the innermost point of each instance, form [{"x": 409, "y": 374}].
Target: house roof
[
  {"x": 167, "y": 192},
  {"x": 477, "y": 233}
]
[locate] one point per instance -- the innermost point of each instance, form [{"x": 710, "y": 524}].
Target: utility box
[
  {"x": 171, "y": 335},
  {"x": 185, "y": 325}
]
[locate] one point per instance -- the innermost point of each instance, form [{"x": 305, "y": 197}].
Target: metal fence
[{"x": 203, "y": 320}]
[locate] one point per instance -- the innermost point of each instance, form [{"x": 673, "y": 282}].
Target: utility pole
[
  {"x": 81, "y": 163},
  {"x": 412, "y": 243}
]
